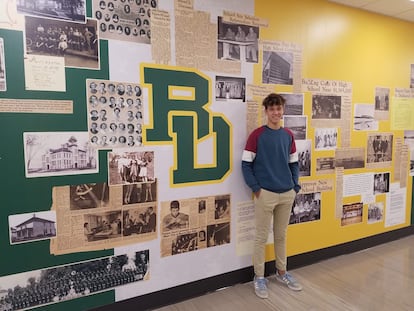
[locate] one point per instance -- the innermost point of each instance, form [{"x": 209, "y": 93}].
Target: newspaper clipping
[
  {"x": 191, "y": 224},
  {"x": 331, "y": 105},
  {"x": 92, "y": 217}
]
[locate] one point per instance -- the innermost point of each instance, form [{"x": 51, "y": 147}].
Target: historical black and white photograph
[
  {"x": 409, "y": 140},
  {"x": 102, "y": 226},
  {"x": 35, "y": 288},
  {"x": 218, "y": 234},
  {"x": 77, "y": 43},
  {"x": 222, "y": 207},
  {"x": 351, "y": 213},
  {"x": 381, "y": 183},
  {"x": 237, "y": 42},
  {"x": 277, "y": 67},
  {"x": 382, "y": 99},
  {"x": 59, "y": 153},
  {"x": 139, "y": 220},
  {"x": 30, "y": 227},
  {"x": 304, "y": 149},
  {"x": 125, "y": 20},
  {"x": 375, "y": 212},
  {"x": 184, "y": 243},
  {"x": 115, "y": 114},
  {"x": 379, "y": 148},
  {"x": 350, "y": 158},
  {"x": 293, "y": 104},
  {"x": 326, "y": 138},
  {"x": 130, "y": 167},
  {"x": 91, "y": 195},
  {"x": 364, "y": 118},
  {"x": 3, "y": 84},
  {"x": 326, "y": 106},
  {"x": 230, "y": 89},
  {"x": 55, "y": 9},
  {"x": 297, "y": 124},
  {"x": 325, "y": 165},
  {"x": 133, "y": 193},
  {"x": 306, "y": 207}
]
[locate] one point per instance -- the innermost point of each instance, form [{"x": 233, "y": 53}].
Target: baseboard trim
[{"x": 200, "y": 287}]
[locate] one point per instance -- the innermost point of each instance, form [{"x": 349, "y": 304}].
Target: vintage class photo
[{"x": 77, "y": 43}]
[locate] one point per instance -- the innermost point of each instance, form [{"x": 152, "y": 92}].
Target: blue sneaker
[
  {"x": 260, "y": 287},
  {"x": 289, "y": 280}
]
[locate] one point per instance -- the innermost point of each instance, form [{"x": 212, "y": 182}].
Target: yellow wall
[{"x": 341, "y": 43}]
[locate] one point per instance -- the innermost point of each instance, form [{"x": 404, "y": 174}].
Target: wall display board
[{"x": 123, "y": 125}]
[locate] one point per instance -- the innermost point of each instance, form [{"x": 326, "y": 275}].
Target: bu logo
[{"x": 179, "y": 114}]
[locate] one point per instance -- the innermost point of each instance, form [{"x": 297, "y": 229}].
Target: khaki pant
[{"x": 277, "y": 206}]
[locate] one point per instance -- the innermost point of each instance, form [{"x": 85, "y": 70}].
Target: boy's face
[
  {"x": 274, "y": 113},
  {"x": 174, "y": 211}
]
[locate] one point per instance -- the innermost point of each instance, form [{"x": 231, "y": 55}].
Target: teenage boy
[{"x": 270, "y": 168}]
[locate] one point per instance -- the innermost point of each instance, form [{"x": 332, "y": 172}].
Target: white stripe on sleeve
[
  {"x": 248, "y": 156},
  {"x": 293, "y": 157}
]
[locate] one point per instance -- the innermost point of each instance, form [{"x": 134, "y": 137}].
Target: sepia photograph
[
  {"x": 131, "y": 167},
  {"x": 77, "y": 43},
  {"x": 92, "y": 195},
  {"x": 304, "y": 149},
  {"x": 375, "y": 212},
  {"x": 125, "y": 20},
  {"x": 51, "y": 285},
  {"x": 381, "y": 183},
  {"x": 222, "y": 207},
  {"x": 139, "y": 220},
  {"x": 277, "y": 68},
  {"x": 379, "y": 148},
  {"x": 350, "y": 158},
  {"x": 364, "y": 118},
  {"x": 351, "y": 214},
  {"x": 31, "y": 227},
  {"x": 230, "y": 89},
  {"x": 306, "y": 207},
  {"x": 184, "y": 243},
  {"x": 293, "y": 104},
  {"x": 102, "y": 226},
  {"x": 326, "y": 107},
  {"x": 326, "y": 138},
  {"x": 176, "y": 218},
  {"x": 297, "y": 124},
  {"x": 59, "y": 153},
  {"x": 325, "y": 165},
  {"x": 218, "y": 234},
  {"x": 55, "y": 9},
  {"x": 237, "y": 42},
  {"x": 133, "y": 193}
]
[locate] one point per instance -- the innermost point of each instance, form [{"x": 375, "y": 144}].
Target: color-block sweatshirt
[{"x": 270, "y": 160}]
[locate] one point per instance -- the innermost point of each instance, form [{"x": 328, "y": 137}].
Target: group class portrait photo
[{"x": 77, "y": 43}]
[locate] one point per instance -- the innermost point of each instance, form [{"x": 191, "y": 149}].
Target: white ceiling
[{"x": 401, "y": 9}]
